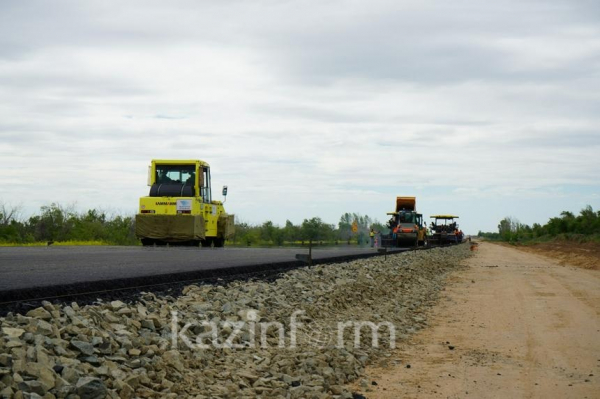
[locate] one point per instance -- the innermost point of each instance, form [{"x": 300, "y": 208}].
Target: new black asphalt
[{"x": 57, "y": 270}]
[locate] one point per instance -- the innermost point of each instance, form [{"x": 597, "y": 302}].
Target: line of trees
[
  {"x": 585, "y": 226},
  {"x": 63, "y": 224},
  {"x": 313, "y": 229}
]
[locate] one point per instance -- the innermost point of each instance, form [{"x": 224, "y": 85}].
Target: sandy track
[{"x": 520, "y": 325}]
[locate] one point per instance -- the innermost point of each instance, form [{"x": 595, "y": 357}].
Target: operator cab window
[
  {"x": 175, "y": 174},
  {"x": 174, "y": 181},
  {"x": 406, "y": 217}
]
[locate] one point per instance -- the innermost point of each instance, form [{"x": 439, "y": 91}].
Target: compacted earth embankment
[
  {"x": 510, "y": 325},
  {"x": 303, "y": 335},
  {"x": 568, "y": 253}
]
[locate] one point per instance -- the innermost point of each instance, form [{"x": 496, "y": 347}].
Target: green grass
[
  {"x": 565, "y": 237},
  {"x": 578, "y": 238},
  {"x": 58, "y": 243}
]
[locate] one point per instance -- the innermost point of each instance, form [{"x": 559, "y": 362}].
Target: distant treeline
[
  {"x": 314, "y": 230},
  {"x": 583, "y": 227},
  {"x": 55, "y": 223}
]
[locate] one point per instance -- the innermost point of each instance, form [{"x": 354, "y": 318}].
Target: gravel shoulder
[
  {"x": 514, "y": 324},
  {"x": 304, "y": 335}
]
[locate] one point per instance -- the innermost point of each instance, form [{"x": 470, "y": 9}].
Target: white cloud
[{"x": 303, "y": 109}]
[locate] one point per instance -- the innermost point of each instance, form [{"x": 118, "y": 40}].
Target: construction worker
[
  {"x": 372, "y": 236},
  {"x": 163, "y": 177},
  {"x": 191, "y": 181},
  {"x": 421, "y": 235}
]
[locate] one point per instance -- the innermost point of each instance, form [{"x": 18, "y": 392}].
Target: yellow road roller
[{"x": 179, "y": 208}]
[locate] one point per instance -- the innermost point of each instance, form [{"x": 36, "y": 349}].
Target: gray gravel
[{"x": 127, "y": 350}]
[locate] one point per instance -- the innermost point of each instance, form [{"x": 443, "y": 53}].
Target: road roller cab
[{"x": 179, "y": 208}]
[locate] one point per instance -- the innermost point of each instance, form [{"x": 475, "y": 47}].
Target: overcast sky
[{"x": 483, "y": 109}]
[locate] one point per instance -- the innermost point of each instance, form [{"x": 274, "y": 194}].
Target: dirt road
[{"x": 513, "y": 325}]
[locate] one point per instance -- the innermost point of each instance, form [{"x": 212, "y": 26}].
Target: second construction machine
[
  {"x": 406, "y": 225},
  {"x": 445, "y": 230}
]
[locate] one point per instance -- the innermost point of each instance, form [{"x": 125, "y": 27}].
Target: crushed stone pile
[{"x": 304, "y": 335}]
